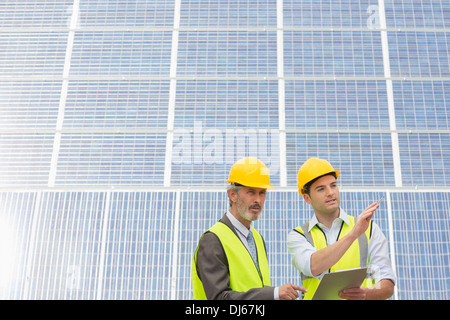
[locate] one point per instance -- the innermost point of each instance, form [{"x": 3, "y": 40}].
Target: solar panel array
[{"x": 119, "y": 122}]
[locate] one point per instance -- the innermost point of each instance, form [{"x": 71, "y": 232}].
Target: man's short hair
[
  {"x": 234, "y": 187},
  {"x": 306, "y": 187}
]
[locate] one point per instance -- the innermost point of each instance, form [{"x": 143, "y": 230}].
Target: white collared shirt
[{"x": 301, "y": 250}]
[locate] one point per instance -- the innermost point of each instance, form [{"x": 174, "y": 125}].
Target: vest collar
[{"x": 342, "y": 215}]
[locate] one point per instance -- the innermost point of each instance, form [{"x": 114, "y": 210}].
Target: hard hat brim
[{"x": 263, "y": 186}]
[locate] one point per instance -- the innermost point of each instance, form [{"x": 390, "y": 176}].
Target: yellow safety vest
[
  {"x": 355, "y": 256},
  {"x": 243, "y": 272}
]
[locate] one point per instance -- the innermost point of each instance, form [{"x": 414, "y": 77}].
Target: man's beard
[{"x": 245, "y": 212}]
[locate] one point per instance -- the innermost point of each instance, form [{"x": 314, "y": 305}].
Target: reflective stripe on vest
[
  {"x": 242, "y": 270},
  {"x": 355, "y": 256}
]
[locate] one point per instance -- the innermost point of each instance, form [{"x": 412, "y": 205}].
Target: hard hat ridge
[{"x": 250, "y": 172}]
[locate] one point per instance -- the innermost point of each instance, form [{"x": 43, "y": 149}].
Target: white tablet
[{"x": 333, "y": 282}]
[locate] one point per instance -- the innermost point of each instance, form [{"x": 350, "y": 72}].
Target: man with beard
[{"x": 231, "y": 260}]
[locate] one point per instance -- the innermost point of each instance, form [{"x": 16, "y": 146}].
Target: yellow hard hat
[
  {"x": 250, "y": 172},
  {"x": 312, "y": 169}
]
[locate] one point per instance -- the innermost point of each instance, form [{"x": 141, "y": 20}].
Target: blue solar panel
[
  {"x": 427, "y": 54},
  {"x": 326, "y": 13},
  {"x": 338, "y": 53},
  {"x": 417, "y": 14},
  {"x": 226, "y": 13},
  {"x": 101, "y": 104},
  {"x": 35, "y": 13},
  {"x": 65, "y": 248},
  {"x": 16, "y": 225},
  {"x": 424, "y": 159},
  {"x": 227, "y": 104},
  {"x": 336, "y": 105},
  {"x": 130, "y": 13},
  {"x": 422, "y": 255},
  {"x": 139, "y": 235},
  {"x": 25, "y": 159},
  {"x": 422, "y": 105},
  {"x": 111, "y": 159},
  {"x": 29, "y": 104},
  {"x": 32, "y": 54},
  {"x": 121, "y": 53},
  {"x": 365, "y": 159},
  {"x": 227, "y": 53}
]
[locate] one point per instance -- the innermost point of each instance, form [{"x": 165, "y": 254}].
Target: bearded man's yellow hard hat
[{"x": 250, "y": 172}]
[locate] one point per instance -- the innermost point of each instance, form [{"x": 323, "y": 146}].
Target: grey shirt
[{"x": 212, "y": 269}]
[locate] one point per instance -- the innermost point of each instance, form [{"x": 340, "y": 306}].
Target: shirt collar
[
  {"x": 238, "y": 225},
  {"x": 342, "y": 215}
]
